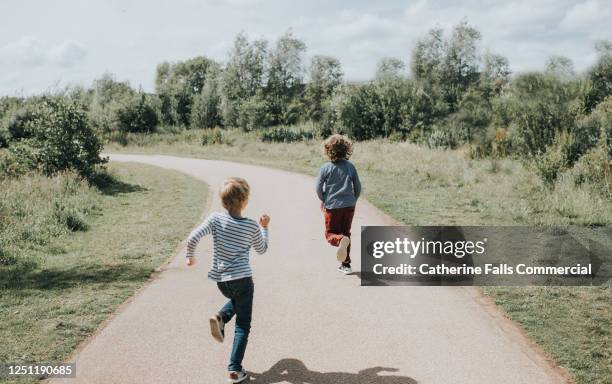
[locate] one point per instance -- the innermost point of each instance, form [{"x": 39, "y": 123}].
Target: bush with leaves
[
  {"x": 557, "y": 158},
  {"x": 600, "y": 77},
  {"x": 253, "y": 113},
  {"x": 108, "y": 95},
  {"x": 215, "y": 136},
  {"x": 177, "y": 84},
  {"x": 285, "y": 135},
  {"x": 595, "y": 168},
  {"x": 63, "y": 139},
  {"x": 206, "y": 110},
  {"x": 600, "y": 123},
  {"x": 359, "y": 111},
  {"x": 443, "y": 138},
  {"x": 539, "y": 109},
  {"x": 137, "y": 115}
]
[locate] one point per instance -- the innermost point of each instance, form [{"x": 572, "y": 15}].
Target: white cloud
[
  {"x": 27, "y": 51},
  {"x": 583, "y": 14},
  {"x": 32, "y": 52},
  {"x": 131, "y": 38},
  {"x": 67, "y": 54},
  {"x": 591, "y": 18}
]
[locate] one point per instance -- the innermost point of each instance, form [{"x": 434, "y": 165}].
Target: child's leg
[
  {"x": 243, "y": 299},
  {"x": 228, "y": 310},
  {"x": 333, "y": 226},
  {"x": 347, "y": 221}
]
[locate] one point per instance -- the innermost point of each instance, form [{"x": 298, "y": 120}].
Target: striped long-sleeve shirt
[{"x": 232, "y": 239}]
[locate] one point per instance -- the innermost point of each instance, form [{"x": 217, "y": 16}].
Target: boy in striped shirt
[{"x": 233, "y": 236}]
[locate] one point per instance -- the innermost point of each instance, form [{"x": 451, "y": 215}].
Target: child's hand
[
  {"x": 264, "y": 220},
  {"x": 191, "y": 261}
]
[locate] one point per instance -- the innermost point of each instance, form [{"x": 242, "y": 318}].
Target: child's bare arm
[{"x": 260, "y": 241}]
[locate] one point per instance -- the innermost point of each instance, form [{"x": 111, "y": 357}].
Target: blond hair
[
  {"x": 233, "y": 194},
  {"x": 338, "y": 147}
]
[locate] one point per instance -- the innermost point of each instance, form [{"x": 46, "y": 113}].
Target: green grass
[
  {"x": 415, "y": 184},
  {"x": 572, "y": 324},
  {"x": 421, "y": 186},
  {"x": 63, "y": 283}
]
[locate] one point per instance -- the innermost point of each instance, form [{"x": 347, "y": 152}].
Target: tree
[
  {"x": 495, "y": 75},
  {"x": 206, "y": 111},
  {"x": 108, "y": 90},
  {"x": 461, "y": 63},
  {"x": 285, "y": 76},
  {"x": 389, "y": 69},
  {"x": 243, "y": 76},
  {"x": 325, "y": 75},
  {"x": 600, "y": 77},
  {"x": 561, "y": 67},
  {"x": 108, "y": 96},
  {"x": 428, "y": 57},
  {"x": 178, "y": 83}
]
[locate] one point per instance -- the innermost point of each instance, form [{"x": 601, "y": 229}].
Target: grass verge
[
  {"x": 422, "y": 186},
  {"x": 59, "y": 291}
]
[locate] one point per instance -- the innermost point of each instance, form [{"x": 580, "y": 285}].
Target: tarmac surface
[{"x": 311, "y": 324}]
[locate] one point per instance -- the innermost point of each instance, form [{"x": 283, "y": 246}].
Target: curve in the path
[{"x": 310, "y": 323}]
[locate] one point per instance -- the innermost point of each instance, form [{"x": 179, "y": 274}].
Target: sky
[{"x": 48, "y": 45}]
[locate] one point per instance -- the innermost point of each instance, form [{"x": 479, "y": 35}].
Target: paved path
[{"x": 310, "y": 323}]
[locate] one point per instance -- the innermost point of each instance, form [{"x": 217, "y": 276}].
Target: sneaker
[
  {"x": 217, "y": 328},
  {"x": 342, "y": 249},
  {"x": 344, "y": 269},
  {"x": 237, "y": 377}
]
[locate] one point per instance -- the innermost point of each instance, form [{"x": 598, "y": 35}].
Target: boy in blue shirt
[{"x": 338, "y": 188}]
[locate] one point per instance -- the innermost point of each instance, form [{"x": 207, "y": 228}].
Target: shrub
[
  {"x": 556, "y": 158},
  {"x": 285, "y": 135},
  {"x": 18, "y": 160},
  {"x": 359, "y": 112},
  {"x": 214, "y": 136},
  {"x": 5, "y": 137},
  {"x": 595, "y": 168},
  {"x": 137, "y": 115},
  {"x": 19, "y": 124},
  {"x": 444, "y": 138},
  {"x": 538, "y": 108},
  {"x": 63, "y": 138},
  {"x": 107, "y": 96},
  {"x": 253, "y": 114},
  {"x": 206, "y": 111}
]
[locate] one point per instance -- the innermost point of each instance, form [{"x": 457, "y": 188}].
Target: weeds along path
[{"x": 310, "y": 323}]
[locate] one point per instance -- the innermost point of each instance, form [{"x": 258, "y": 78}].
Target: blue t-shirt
[{"x": 338, "y": 184}]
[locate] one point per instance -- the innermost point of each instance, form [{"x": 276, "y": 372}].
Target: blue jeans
[{"x": 240, "y": 293}]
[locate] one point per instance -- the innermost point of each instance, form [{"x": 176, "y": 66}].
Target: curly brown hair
[
  {"x": 233, "y": 193},
  {"x": 337, "y": 147}
]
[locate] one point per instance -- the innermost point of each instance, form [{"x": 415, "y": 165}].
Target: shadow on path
[{"x": 295, "y": 372}]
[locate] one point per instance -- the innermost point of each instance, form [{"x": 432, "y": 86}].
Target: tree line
[{"x": 450, "y": 94}]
